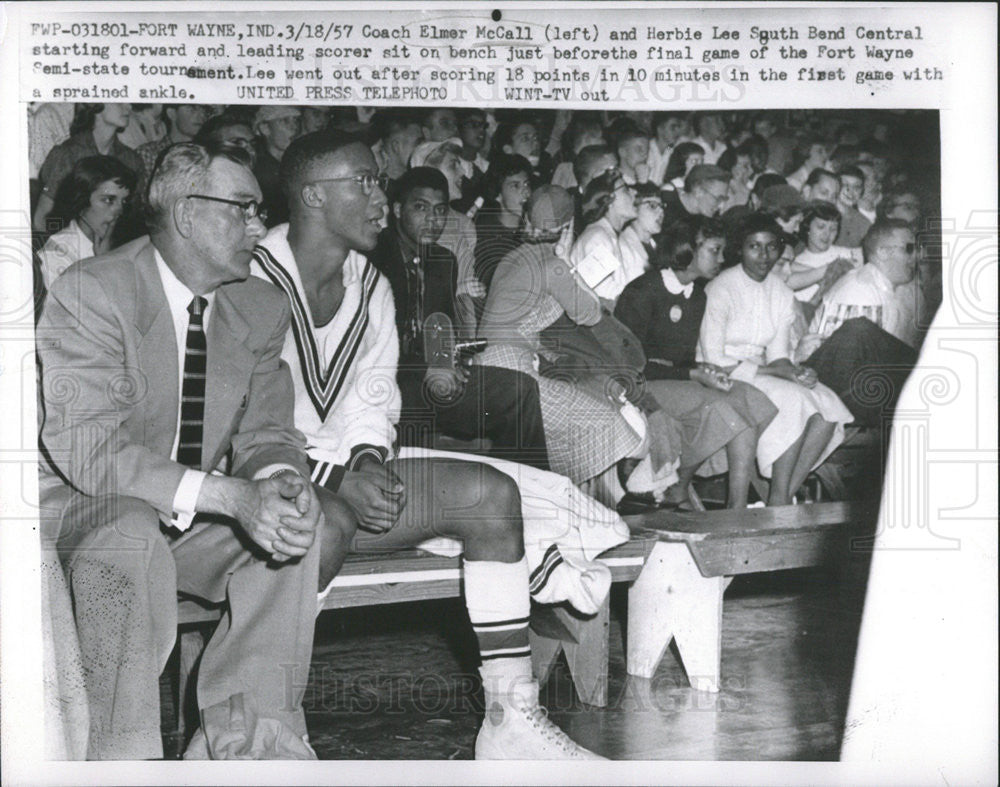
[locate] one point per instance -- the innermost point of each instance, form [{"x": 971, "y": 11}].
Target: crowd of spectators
[{"x": 735, "y": 250}]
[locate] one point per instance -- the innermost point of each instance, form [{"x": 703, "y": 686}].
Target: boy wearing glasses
[{"x": 343, "y": 353}]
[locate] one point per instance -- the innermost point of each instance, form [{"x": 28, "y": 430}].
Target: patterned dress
[{"x": 585, "y": 432}]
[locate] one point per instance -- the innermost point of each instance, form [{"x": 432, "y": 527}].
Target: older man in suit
[{"x": 170, "y": 464}]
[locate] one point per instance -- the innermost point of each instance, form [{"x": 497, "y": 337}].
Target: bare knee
[
  {"x": 339, "y": 521},
  {"x": 500, "y": 502}
]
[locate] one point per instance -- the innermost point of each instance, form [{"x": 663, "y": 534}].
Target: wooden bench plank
[
  {"x": 693, "y": 526},
  {"x": 411, "y": 575}
]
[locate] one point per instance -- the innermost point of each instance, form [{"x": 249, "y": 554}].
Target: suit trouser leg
[
  {"x": 122, "y": 580},
  {"x": 866, "y": 367},
  {"x": 254, "y": 670}
]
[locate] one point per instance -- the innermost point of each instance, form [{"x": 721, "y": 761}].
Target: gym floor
[{"x": 399, "y": 682}]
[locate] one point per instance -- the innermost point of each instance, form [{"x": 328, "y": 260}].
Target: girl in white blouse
[
  {"x": 745, "y": 331},
  {"x": 89, "y": 202},
  {"x": 608, "y": 205},
  {"x": 820, "y": 262}
]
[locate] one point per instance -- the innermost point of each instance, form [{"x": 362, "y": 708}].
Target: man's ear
[
  {"x": 312, "y": 196},
  {"x": 508, "y": 150},
  {"x": 396, "y": 210},
  {"x": 183, "y": 217}
]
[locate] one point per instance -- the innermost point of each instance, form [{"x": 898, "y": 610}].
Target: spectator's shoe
[
  {"x": 518, "y": 728},
  {"x": 643, "y": 503}
]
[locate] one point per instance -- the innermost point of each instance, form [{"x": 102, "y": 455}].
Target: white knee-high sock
[{"x": 496, "y": 595}]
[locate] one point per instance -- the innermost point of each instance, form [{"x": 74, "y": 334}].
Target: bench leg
[
  {"x": 588, "y": 657},
  {"x": 672, "y": 600},
  {"x": 585, "y": 641},
  {"x": 544, "y": 652}
]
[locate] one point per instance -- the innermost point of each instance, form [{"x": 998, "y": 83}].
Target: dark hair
[
  {"x": 304, "y": 151},
  {"x": 708, "y": 227},
  {"x": 585, "y": 158},
  {"x": 754, "y": 146},
  {"x": 598, "y": 196},
  {"x": 765, "y": 180},
  {"x": 646, "y": 190},
  {"x": 628, "y": 132},
  {"x": 852, "y": 171},
  {"x": 788, "y": 239},
  {"x": 728, "y": 158},
  {"x": 73, "y": 193},
  {"x": 391, "y": 121},
  {"x": 209, "y": 133},
  {"x": 675, "y": 247},
  {"x": 817, "y": 210},
  {"x": 843, "y": 156},
  {"x": 428, "y": 113},
  {"x": 659, "y": 118},
  {"x": 751, "y": 225},
  {"x": 676, "y": 164},
  {"x": 580, "y": 124},
  {"x": 805, "y": 143},
  {"x": 504, "y": 135},
  {"x": 84, "y": 118},
  {"x": 503, "y": 167},
  {"x": 816, "y": 174},
  {"x": 418, "y": 178},
  {"x": 699, "y": 117}
]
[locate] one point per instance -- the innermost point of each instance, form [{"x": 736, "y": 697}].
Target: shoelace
[{"x": 539, "y": 718}]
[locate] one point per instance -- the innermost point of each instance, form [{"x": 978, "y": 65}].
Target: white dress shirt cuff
[{"x": 186, "y": 499}]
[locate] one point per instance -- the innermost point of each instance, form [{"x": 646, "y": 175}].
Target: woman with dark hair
[
  {"x": 720, "y": 419},
  {"x": 518, "y": 136},
  {"x": 820, "y": 262},
  {"x": 507, "y": 186},
  {"x": 94, "y": 132},
  {"x": 746, "y": 331},
  {"x": 89, "y": 202},
  {"x": 638, "y": 238},
  {"x": 737, "y": 162},
  {"x": 608, "y": 205},
  {"x": 685, "y": 156}
]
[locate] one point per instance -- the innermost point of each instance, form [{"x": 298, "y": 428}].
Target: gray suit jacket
[{"x": 108, "y": 357}]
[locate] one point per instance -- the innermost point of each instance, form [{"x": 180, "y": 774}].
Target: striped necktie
[{"x": 193, "y": 388}]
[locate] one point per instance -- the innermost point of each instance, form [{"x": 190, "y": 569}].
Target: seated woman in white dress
[
  {"x": 820, "y": 259},
  {"x": 608, "y": 205},
  {"x": 745, "y": 330},
  {"x": 89, "y": 202}
]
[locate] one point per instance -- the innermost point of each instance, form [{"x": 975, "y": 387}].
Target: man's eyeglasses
[
  {"x": 366, "y": 180},
  {"x": 251, "y": 208},
  {"x": 655, "y": 204},
  {"x": 909, "y": 248}
]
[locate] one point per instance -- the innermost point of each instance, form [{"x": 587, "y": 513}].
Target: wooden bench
[
  {"x": 679, "y": 565},
  {"x": 678, "y": 595},
  {"x": 373, "y": 580}
]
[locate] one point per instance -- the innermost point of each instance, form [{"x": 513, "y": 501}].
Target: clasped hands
[
  {"x": 376, "y": 495},
  {"x": 281, "y": 515}
]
